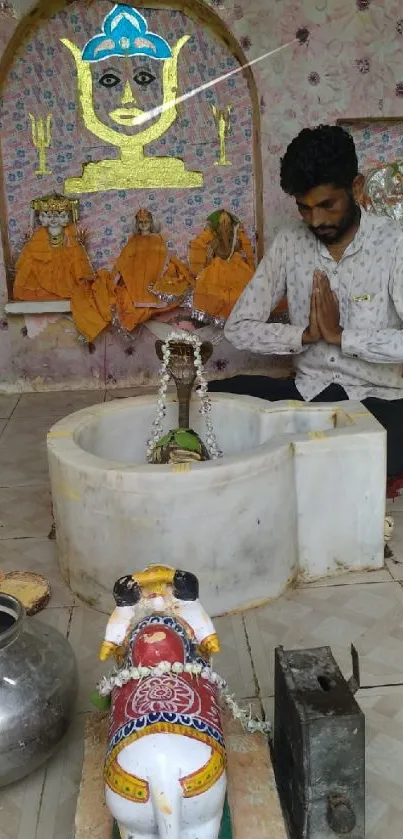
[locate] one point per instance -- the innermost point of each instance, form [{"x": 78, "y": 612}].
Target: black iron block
[{"x": 319, "y": 746}]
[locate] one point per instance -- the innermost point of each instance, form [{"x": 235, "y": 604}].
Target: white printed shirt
[{"x": 368, "y": 282}]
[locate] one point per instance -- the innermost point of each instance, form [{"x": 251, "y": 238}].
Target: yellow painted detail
[
  {"x": 125, "y": 785},
  {"x": 155, "y": 577},
  {"x": 132, "y": 169},
  {"x": 41, "y": 132},
  {"x": 317, "y": 435},
  {"x": 222, "y": 118},
  {"x": 181, "y": 467},
  {"x": 203, "y": 779},
  {"x": 136, "y": 789},
  {"x": 107, "y": 650},
  {"x": 210, "y": 645}
]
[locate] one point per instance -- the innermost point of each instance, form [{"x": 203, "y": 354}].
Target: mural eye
[
  {"x": 143, "y": 77},
  {"x": 109, "y": 79}
]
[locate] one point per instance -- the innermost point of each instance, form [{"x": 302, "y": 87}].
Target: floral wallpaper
[
  {"x": 348, "y": 65},
  {"x": 376, "y": 142}
]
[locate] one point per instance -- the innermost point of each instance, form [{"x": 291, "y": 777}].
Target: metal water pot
[{"x": 38, "y": 688}]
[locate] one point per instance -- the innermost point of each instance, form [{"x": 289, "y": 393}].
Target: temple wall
[{"x": 349, "y": 67}]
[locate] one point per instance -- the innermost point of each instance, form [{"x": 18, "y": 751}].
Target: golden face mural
[{"x": 128, "y": 121}]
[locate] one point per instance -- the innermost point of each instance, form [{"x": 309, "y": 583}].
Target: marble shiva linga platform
[{"x": 290, "y": 489}]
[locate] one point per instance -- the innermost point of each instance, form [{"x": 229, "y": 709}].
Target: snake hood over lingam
[{"x": 183, "y": 355}]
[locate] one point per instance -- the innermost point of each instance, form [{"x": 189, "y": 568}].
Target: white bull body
[
  {"x": 165, "y": 764},
  {"x": 163, "y": 759}
]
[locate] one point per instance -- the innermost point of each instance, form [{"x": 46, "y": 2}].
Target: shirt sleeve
[
  {"x": 247, "y": 327},
  {"x": 383, "y": 346}
]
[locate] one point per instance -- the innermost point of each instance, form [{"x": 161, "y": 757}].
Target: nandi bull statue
[{"x": 165, "y": 763}]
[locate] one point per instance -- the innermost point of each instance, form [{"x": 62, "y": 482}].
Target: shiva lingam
[{"x": 183, "y": 356}]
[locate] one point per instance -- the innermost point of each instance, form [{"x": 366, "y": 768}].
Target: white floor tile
[{"x": 25, "y": 512}]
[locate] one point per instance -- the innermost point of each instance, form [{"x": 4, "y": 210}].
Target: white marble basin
[{"x": 300, "y": 489}]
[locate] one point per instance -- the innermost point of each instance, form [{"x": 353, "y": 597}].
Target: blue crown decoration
[{"x": 125, "y": 33}]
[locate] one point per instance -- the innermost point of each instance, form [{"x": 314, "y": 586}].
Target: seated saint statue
[
  {"x": 222, "y": 261},
  {"x": 54, "y": 265},
  {"x": 148, "y": 278},
  {"x": 53, "y": 261}
]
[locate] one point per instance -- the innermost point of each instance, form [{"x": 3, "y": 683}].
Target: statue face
[
  {"x": 125, "y": 91},
  {"x": 44, "y": 218},
  {"x": 53, "y": 219},
  {"x": 225, "y": 224},
  {"x": 144, "y": 223},
  {"x": 58, "y": 221}
]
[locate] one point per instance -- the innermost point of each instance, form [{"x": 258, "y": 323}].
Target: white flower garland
[
  {"x": 122, "y": 676},
  {"x": 202, "y": 392}
]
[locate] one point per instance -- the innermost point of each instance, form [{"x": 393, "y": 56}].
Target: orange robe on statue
[
  {"x": 219, "y": 283},
  {"x": 145, "y": 263},
  {"x": 92, "y": 303},
  {"x": 49, "y": 272},
  {"x": 64, "y": 272}
]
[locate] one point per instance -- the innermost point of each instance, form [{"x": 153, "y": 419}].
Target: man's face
[{"x": 328, "y": 211}]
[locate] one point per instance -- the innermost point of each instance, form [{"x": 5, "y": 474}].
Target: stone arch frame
[{"x": 198, "y": 11}]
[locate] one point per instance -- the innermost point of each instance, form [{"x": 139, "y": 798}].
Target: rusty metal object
[
  {"x": 319, "y": 745},
  {"x": 340, "y": 814},
  {"x": 183, "y": 371}
]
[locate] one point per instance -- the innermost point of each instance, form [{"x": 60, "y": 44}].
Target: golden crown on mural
[{"x": 55, "y": 203}]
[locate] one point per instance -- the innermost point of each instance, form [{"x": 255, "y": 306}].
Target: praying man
[{"x": 341, "y": 269}]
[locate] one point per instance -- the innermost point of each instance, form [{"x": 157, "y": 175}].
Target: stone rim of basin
[{"x": 67, "y": 434}]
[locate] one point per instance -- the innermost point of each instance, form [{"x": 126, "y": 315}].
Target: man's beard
[{"x": 332, "y": 235}]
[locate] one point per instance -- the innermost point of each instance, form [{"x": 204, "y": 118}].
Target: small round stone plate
[{"x": 31, "y": 589}]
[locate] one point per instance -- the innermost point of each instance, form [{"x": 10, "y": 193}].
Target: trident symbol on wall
[
  {"x": 222, "y": 119},
  {"x": 41, "y": 138}
]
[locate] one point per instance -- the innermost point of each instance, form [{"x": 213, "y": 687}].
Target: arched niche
[{"x": 196, "y": 11}]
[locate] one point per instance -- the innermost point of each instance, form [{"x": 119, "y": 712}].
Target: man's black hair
[{"x": 317, "y": 156}]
